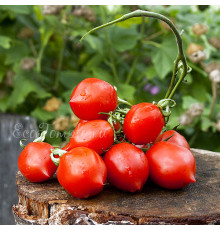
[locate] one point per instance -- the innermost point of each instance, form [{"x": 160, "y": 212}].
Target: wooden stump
[{"x": 199, "y": 203}]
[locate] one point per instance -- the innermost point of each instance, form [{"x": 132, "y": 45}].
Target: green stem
[
  {"x": 39, "y": 58},
  {"x": 111, "y": 58},
  {"x": 60, "y": 63},
  {"x": 175, "y": 70},
  {"x": 180, "y": 56},
  {"x": 21, "y": 144},
  {"x": 192, "y": 140},
  {"x": 131, "y": 72},
  {"x": 214, "y": 98},
  {"x": 41, "y": 52},
  {"x": 196, "y": 68},
  {"x": 133, "y": 67},
  {"x": 56, "y": 152},
  {"x": 121, "y": 111},
  {"x": 123, "y": 102},
  {"x": 41, "y": 138},
  {"x": 153, "y": 43},
  {"x": 184, "y": 73}
]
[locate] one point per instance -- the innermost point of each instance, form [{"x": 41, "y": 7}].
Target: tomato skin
[
  {"x": 92, "y": 96},
  {"x": 66, "y": 147},
  {"x": 82, "y": 172},
  {"x": 143, "y": 123},
  {"x": 116, "y": 125},
  {"x": 177, "y": 138},
  {"x": 127, "y": 167},
  {"x": 35, "y": 163},
  {"x": 171, "y": 166},
  {"x": 81, "y": 122},
  {"x": 96, "y": 134}
]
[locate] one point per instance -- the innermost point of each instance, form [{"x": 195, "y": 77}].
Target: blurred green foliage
[{"x": 41, "y": 57}]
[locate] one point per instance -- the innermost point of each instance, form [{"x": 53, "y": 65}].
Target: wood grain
[
  {"x": 199, "y": 203},
  {"x": 12, "y": 129}
]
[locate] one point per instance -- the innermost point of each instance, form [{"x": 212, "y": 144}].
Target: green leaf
[
  {"x": 43, "y": 115},
  {"x": 163, "y": 57},
  {"x": 71, "y": 78},
  {"x": 79, "y": 32},
  {"x": 23, "y": 86},
  {"x": 1, "y": 76},
  {"x": 65, "y": 109},
  {"x": 45, "y": 35},
  {"x": 123, "y": 39},
  {"x": 151, "y": 72},
  {"x": 18, "y": 51},
  {"x": 18, "y": 9},
  {"x": 187, "y": 101},
  {"x": 199, "y": 91},
  {"x": 66, "y": 95},
  {"x": 3, "y": 104},
  {"x": 53, "y": 137},
  {"x": 5, "y": 42},
  {"x": 188, "y": 79},
  {"x": 38, "y": 13},
  {"x": 206, "y": 123},
  {"x": 102, "y": 74},
  {"x": 95, "y": 43},
  {"x": 94, "y": 61},
  {"x": 126, "y": 91},
  {"x": 174, "y": 118}
]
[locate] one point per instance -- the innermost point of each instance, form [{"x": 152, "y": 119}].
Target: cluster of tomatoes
[{"x": 110, "y": 141}]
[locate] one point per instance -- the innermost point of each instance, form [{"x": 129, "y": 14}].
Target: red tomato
[
  {"x": 96, "y": 134},
  {"x": 66, "y": 147},
  {"x": 116, "y": 125},
  {"x": 82, "y": 172},
  {"x": 127, "y": 167},
  {"x": 81, "y": 122},
  {"x": 171, "y": 166},
  {"x": 35, "y": 163},
  {"x": 92, "y": 96},
  {"x": 143, "y": 123},
  {"x": 177, "y": 138}
]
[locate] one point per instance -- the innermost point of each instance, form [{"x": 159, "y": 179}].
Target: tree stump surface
[{"x": 198, "y": 203}]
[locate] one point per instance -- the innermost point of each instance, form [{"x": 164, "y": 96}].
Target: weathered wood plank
[
  {"x": 199, "y": 203},
  {"x": 12, "y": 129}
]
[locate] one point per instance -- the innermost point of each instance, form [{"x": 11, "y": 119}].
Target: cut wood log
[{"x": 199, "y": 203}]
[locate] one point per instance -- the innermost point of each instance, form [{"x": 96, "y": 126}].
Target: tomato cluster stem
[{"x": 180, "y": 56}]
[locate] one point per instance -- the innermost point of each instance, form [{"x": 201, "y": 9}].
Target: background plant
[{"x": 42, "y": 60}]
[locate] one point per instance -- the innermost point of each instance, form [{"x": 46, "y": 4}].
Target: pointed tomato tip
[{"x": 192, "y": 179}]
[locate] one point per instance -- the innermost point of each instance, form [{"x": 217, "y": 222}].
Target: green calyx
[
  {"x": 41, "y": 138},
  {"x": 56, "y": 152},
  {"x": 165, "y": 105}
]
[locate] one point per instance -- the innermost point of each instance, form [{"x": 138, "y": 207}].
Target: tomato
[
  {"x": 177, "y": 138},
  {"x": 171, "y": 166},
  {"x": 35, "y": 163},
  {"x": 96, "y": 134},
  {"x": 127, "y": 167},
  {"x": 66, "y": 147},
  {"x": 143, "y": 123},
  {"x": 116, "y": 125},
  {"x": 82, "y": 172},
  {"x": 92, "y": 96},
  {"x": 81, "y": 121}
]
